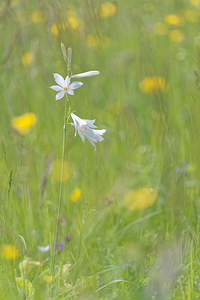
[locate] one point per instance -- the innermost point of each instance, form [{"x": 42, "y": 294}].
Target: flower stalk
[
  {"x": 66, "y": 117},
  {"x": 85, "y": 128}
]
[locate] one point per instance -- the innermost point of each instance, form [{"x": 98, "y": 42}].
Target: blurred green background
[{"x": 132, "y": 207}]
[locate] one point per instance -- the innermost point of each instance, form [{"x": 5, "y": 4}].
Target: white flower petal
[
  {"x": 90, "y": 123},
  {"x": 67, "y": 82},
  {"x": 75, "y": 85},
  {"x": 56, "y": 88},
  {"x": 89, "y": 133},
  {"x": 59, "y": 79},
  {"x": 81, "y": 134},
  {"x": 86, "y": 74},
  {"x": 60, "y": 95},
  {"x": 70, "y": 92},
  {"x": 77, "y": 119},
  {"x": 99, "y": 131},
  {"x": 93, "y": 144}
]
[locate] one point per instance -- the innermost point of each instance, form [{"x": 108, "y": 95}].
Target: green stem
[{"x": 60, "y": 193}]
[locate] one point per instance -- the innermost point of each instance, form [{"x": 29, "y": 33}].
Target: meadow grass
[{"x": 133, "y": 220}]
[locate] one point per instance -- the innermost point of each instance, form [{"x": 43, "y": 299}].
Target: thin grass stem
[{"x": 60, "y": 192}]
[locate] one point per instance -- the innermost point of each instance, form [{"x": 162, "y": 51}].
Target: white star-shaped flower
[
  {"x": 64, "y": 86},
  {"x": 86, "y": 129}
]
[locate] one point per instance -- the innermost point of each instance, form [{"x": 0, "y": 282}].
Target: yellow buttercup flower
[
  {"x": 151, "y": 84},
  {"x": 37, "y": 16},
  {"x": 9, "y": 252},
  {"x": 173, "y": 20},
  {"x": 72, "y": 20},
  {"x": 24, "y": 123},
  {"x": 176, "y": 36},
  {"x": 76, "y": 195},
  {"x": 194, "y": 2},
  {"x": 54, "y": 29},
  {"x": 140, "y": 199},
  {"x": 27, "y": 59},
  {"x": 56, "y": 170},
  {"x": 92, "y": 41},
  {"x": 108, "y": 9},
  {"x": 160, "y": 29}
]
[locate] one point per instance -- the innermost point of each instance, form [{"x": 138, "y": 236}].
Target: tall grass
[{"x": 152, "y": 142}]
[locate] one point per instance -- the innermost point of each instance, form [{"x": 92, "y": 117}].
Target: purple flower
[
  {"x": 60, "y": 246},
  {"x": 67, "y": 237}
]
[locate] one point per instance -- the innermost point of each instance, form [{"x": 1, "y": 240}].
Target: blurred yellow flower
[
  {"x": 160, "y": 29},
  {"x": 173, "y": 20},
  {"x": 48, "y": 278},
  {"x": 191, "y": 16},
  {"x": 56, "y": 170},
  {"x": 72, "y": 20},
  {"x": 24, "y": 123},
  {"x": 27, "y": 59},
  {"x": 9, "y": 252},
  {"x": 37, "y": 16},
  {"x": 108, "y": 9},
  {"x": 54, "y": 29},
  {"x": 140, "y": 199},
  {"x": 151, "y": 84},
  {"x": 194, "y": 2},
  {"x": 76, "y": 195},
  {"x": 176, "y": 36},
  {"x": 92, "y": 41}
]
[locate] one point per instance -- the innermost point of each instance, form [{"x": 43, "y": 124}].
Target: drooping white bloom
[
  {"x": 64, "y": 86},
  {"x": 86, "y": 74},
  {"x": 86, "y": 129}
]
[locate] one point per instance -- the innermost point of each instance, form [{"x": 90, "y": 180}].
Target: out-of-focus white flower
[
  {"x": 44, "y": 248},
  {"x": 64, "y": 86},
  {"x": 86, "y": 129},
  {"x": 86, "y": 74}
]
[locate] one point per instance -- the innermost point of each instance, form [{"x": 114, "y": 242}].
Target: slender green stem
[{"x": 60, "y": 193}]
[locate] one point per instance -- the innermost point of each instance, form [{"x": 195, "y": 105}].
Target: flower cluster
[{"x": 84, "y": 127}]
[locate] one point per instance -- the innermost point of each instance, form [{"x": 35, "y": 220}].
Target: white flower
[
  {"x": 85, "y": 130},
  {"x": 64, "y": 86},
  {"x": 44, "y": 248},
  {"x": 86, "y": 74}
]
